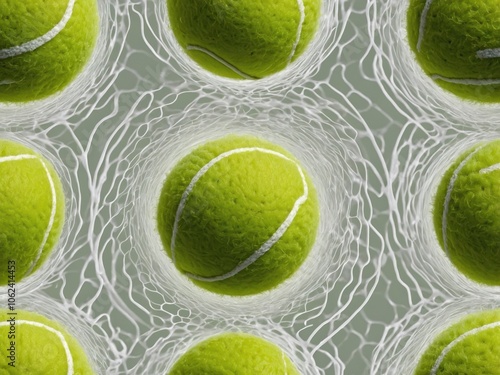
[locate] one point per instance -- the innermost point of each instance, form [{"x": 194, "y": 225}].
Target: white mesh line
[
  {"x": 269, "y": 243},
  {"x": 59, "y": 335},
  {"x": 40, "y": 41},
  {"x": 54, "y": 202}
]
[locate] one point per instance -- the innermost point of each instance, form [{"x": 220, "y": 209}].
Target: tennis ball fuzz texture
[
  {"x": 244, "y": 39},
  {"x": 234, "y": 353},
  {"x": 31, "y": 210},
  {"x": 467, "y": 213},
  {"x": 457, "y": 44},
  {"x": 238, "y": 215},
  {"x": 34, "y": 344},
  {"x": 468, "y": 347},
  {"x": 44, "y": 45}
]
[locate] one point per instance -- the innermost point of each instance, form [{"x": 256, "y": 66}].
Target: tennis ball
[
  {"x": 469, "y": 346},
  {"x": 467, "y": 213},
  {"x": 34, "y": 344},
  {"x": 238, "y": 215},
  {"x": 457, "y": 43},
  {"x": 43, "y": 45},
  {"x": 244, "y": 39},
  {"x": 234, "y": 353},
  {"x": 31, "y": 211}
]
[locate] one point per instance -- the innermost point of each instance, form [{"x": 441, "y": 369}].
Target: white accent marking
[
  {"x": 494, "y": 167},
  {"x": 54, "y": 202},
  {"x": 191, "y": 47},
  {"x": 7, "y": 82},
  {"x": 54, "y": 331},
  {"x": 423, "y": 22},
  {"x": 447, "y": 199},
  {"x": 40, "y": 41},
  {"x": 459, "y": 339},
  {"x": 467, "y": 81},
  {"x": 491, "y": 53},
  {"x": 302, "y": 11},
  {"x": 269, "y": 243}
]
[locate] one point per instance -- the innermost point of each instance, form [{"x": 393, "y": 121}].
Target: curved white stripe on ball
[
  {"x": 490, "y": 53},
  {"x": 270, "y": 242},
  {"x": 191, "y": 47},
  {"x": 444, "y": 221},
  {"x": 7, "y": 82},
  {"x": 423, "y": 22},
  {"x": 494, "y": 167},
  {"x": 302, "y": 11},
  {"x": 40, "y": 41},
  {"x": 459, "y": 339},
  {"x": 54, "y": 202},
  {"x": 61, "y": 337},
  {"x": 467, "y": 81}
]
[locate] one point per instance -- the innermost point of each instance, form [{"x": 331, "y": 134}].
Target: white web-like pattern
[{"x": 374, "y": 133}]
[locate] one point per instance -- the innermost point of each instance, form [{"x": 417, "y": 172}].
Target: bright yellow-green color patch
[
  {"x": 38, "y": 347},
  {"x": 233, "y": 210},
  {"x": 31, "y": 215},
  {"x": 52, "y": 66},
  {"x": 234, "y": 353},
  {"x": 256, "y": 37}
]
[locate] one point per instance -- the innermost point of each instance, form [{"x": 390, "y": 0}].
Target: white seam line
[
  {"x": 7, "y": 82},
  {"x": 57, "y": 333},
  {"x": 453, "y": 179},
  {"x": 191, "y": 47},
  {"x": 283, "y": 356},
  {"x": 54, "y": 203},
  {"x": 467, "y": 81},
  {"x": 40, "y": 41},
  {"x": 302, "y": 12},
  {"x": 494, "y": 167},
  {"x": 490, "y": 53},
  {"x": 269, "y": 243},
  {"x": 459, "y": 339},
  {"x": 423, "y": 22}
]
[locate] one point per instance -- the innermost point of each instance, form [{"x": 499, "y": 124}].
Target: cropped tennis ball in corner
[
  {"x": 457, "y": 44},
  {"x": 469, "y": 347},
  {"x": 34, "y": 344},
  {"x": 238, "y": 215},
  {"x": 244, "y": 39},
  {"x": 44, "y": 45},
  {"x": 31, "y": 211},
  {"x": 467, "y": 213}
]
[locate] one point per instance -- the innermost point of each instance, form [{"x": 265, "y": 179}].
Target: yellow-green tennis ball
[
  {"x": 468, "y": 347},
  {"x": 238, "y": 215},
  {"x": 33, "y": 344},
  {"x": 31, "y": 210},
  {"x": 467, "y": 213},
  {"x": 234, "y": 353},
  {"x": 457, "y": 43},
  {"x": 244, "y": 39},
  {"x": 43, "y": 45}
]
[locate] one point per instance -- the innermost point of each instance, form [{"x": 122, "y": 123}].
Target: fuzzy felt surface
[
  {"x": 50, "y": 68},
  {"x": 474, "y": 350},
  {"x": 454, "y": 32},
  {"x": 38, "y": 350},
  {"x": 255, "y": 36},
  {"x": 26, "y": 202},
  {"x": 233, "y": 210},
  {"x": 473, "y": 219},
  {"x": 234, "y": 354}
]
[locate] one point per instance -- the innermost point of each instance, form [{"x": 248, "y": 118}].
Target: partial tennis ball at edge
[
  {"x": 44, "y": 45},
  {"x": 467, "y": 213},
  {"x": 34, "y": 344},
  {"x": 470, "y": 346},
  {"x": 31, "y": 211},
  {"x": 457, "y": 45},
  {"x": 234, "y": 353},
  {"x": 238, "y": 215},
  {"x": 244, "y": 39}
]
